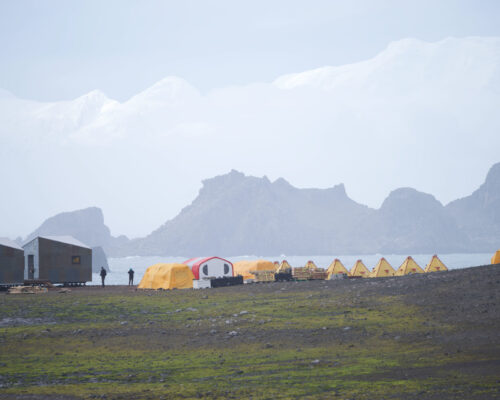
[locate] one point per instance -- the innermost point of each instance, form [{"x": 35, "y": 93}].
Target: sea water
[{"x": 119, "y": 266}]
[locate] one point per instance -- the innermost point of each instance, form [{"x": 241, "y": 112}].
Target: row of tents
[
  {"x": 205, "y": 272},
  {"x": 384, "y": 269}
]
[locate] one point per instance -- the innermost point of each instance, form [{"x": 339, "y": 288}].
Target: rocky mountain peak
[
  {"x": 411, "y": 200},
  {"x": 86, "y": 225},
  {"x": 492, "y": 183},
  {"x": 232, "y": 180}
]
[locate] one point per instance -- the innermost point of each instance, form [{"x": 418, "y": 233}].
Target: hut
[
  {"x": 245, "y": 268},
  {"x": 336, "y": 267},
  {"x": 167, "y": 276},
  {"x": 496, "y": 258},
  {"x": 11, "y": 263},
  {"x": 409, "y": 266},
  {"x": 382, "y": 269},
  {"x": 435, "y": 265},
  {"x": 57, "y": 259},
  {"x": 359, "y": 269}
]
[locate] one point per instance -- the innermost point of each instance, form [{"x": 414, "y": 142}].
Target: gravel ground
[{"x": 456, "y": 312}]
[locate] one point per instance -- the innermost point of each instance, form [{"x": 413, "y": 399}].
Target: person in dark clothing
[
  {"x": 131, "y": 277},
  {"x": 103, "y": 275}
]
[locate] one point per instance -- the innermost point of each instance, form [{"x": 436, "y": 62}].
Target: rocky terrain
[{"x": 428, "y": 336}]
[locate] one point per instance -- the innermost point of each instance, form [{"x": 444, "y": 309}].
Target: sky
[
  {"x": 55, "y": 50},
  {"x": 188, "y": 90}
]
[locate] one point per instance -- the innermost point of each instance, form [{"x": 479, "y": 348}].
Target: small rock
[
  {"x": 346, "y": 328},
  {"x": 315, "y": 362},
  {"x": 233, "y": 333},
  {"x": 123, "y": 322},
  {"x": 243, "y": 312}
]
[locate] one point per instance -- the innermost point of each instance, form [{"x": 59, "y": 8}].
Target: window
[
  {"x": 205, "y": 269},
  {"x": 226, "y": 269},
  {"x": 76, "y": 260}
]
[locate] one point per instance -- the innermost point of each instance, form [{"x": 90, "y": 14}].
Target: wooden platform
[{"x": 27, "y": 290}]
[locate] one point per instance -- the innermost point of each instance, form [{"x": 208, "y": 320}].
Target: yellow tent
[
  {"x": 284, "y": 267},
  {"x": 167, "y": 276},
  {"x": 359, "y": 269},
  {"x": 496, "y": 258},
  {"x": 311, "y": 266},
  {"x": 409, "y": 266},
  {"x": 382, "y": 269},
  {"x": 435, "y": 265},
  {"x": 336, "y": 267},
  {"x": 243, "y": 268}
]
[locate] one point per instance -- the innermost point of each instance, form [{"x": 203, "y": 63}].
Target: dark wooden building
[
  {"x": 11, "y": 263},
  {"x": 58, "y": 259}
]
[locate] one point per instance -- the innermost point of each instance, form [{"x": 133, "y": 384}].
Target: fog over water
[{"x": 120, "y": 266}]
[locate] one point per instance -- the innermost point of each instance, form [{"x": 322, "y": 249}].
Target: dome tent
[
  {"x": 436, "y": 265},
  {"x": 382, "y": 269},
  {"x": 209, "y": 267},
  {"x": 284, "y": 267},
  {"x": 311, "y": 266},
  {"x": 167, "y": 276},
  {"x": 496, "y": 258},
  {"x": 409, "y": 266},
  {"x": 336, "y": 267},
  {"x": 244, "y": 268},
  {"x": 359, "y": 269}
]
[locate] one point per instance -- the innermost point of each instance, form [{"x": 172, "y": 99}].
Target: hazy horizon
[{"x": 129, "y": 105}]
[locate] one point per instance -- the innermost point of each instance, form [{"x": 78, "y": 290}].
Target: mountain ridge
[{"x": 236, "y": 214}]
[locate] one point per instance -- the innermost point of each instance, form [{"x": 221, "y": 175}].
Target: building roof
[
  {"x": 63, "y": 239},
  {"x": 9, "y": 243}
]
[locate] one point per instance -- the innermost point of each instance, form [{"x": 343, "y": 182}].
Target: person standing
[
  {"x": 103, "y": 275},
  {"x": 131, "y": 277}
]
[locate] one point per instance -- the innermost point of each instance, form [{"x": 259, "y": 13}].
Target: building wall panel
[{"x": 11, "y": 266}]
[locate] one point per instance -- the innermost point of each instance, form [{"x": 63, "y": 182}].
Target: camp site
[{"x": 209, "y": 327}]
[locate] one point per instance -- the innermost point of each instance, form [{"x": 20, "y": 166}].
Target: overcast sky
[
  {"x": 53, "y": 50},
  {"x": 420, "y": 113}
]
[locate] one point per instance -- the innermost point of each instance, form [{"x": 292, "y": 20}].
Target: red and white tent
[{"x": 209, "y": 267}]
